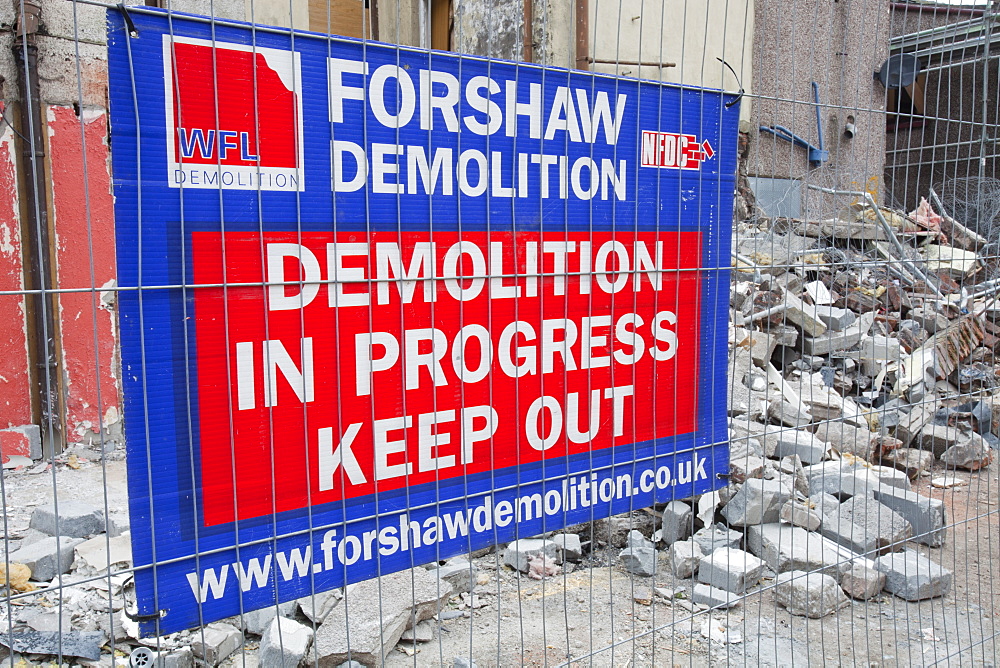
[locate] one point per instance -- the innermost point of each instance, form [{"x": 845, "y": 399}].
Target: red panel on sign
[
  {"x": 316, "y": 391},
  {"x": 231, "y": 107}
]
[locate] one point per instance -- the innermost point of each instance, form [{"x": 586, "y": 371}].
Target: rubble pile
[
  {"x": 862, "y": 358},
  {"x": 862, "y": 365}
]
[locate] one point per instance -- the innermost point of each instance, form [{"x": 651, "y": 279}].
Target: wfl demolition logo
[
  {"x": 674, "y": 150},
  {"x": 234, "y": 116}
]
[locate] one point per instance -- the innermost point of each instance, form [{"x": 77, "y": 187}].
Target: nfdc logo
[
  {"x": 673, "y": 150},
  {"x": 234, "y": 116}
]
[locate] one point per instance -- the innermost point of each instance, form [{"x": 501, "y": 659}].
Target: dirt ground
[{"x": 596, "y": 613}]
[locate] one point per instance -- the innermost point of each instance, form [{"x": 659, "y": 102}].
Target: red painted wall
[
  {"x": 15, "y": 388},
  {"x": 85, "y": 258}
]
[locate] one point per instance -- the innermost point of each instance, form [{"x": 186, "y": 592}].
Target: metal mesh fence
[{"x": 489, "y": 333}]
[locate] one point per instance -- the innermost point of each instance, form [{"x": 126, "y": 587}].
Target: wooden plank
[{"x": 340, "y": 17}]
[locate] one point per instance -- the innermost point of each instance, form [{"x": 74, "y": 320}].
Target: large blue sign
[{"x": 396, "y": 305}]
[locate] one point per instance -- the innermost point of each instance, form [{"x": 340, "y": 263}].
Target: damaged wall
[{"x": 838, "y": 45}]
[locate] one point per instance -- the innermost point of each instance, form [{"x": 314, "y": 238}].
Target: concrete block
[
  {"x": 846, "y": 438},
  {"x": 757, "y": 501},
  {"x": 912, "y": 576},
  {"x": 811, "y": 595},
  {"x": 782, "y": 412},
  {"x": 864, "y": 525},
  {"x": 48, "y": 557},
  {"x": 93, "y": 556},
  {"x": 22, "y": 441},
  {"x": 824, "y": 503},
  {"x": 800, "y": 515},
  {"x": 913, "y": 422},
  {"x": 925, "y": 515},
  {"x": 460, "y": 573},
  {"x": 636, "y": 538},
  {"x": 881, "y": 348},
  {"x": 711, "y": 538},
  {"x": 803, "y": 316},
  {"x": 910, "y": 461},
  {"x": 937, "y": 438},
  {"x": 971, "y": 453},
  {"x": 931, "y": 320},
  {"x": 406, "y": 596},
  {"x": 862, "y": 581},
  {"x": 182, "y": 657},
  {"x": 215, "y": 642},
  {"x": 317, "y": 606},
  {"x": 639, "y": 560},
  {"x": 730, "y": 569},
  {"x": 257, "y": 621},
  {"x": 714, "y": 597},
  {"x": 676, "y": 522},
  {"x": 517, "y": 553},
  {"x": 809, "y": 448},
  {"x": 788, "y": 548},
  {"x": 834, "y": 341},
  {"x": 570, "y": 546},
  {"x": 76, "y": 519},
  {"x": 285, "y": 643},
  {"x": 685, "y": 555},
  {"x": 422, "y": 632},
  {"x": 835, "y": 319},
  {"x": 818, "y": 293}
]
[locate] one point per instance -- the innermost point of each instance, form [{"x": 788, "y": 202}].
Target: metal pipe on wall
[
  {"x": 582, "y": 34},
  {"x": 36, "y": 222}
]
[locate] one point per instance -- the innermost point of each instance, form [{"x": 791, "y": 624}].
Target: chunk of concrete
[
  {"x": 971, "y": 453},
  {"x": 97, "y": 554},
  {"x": 800, "y": 514},
  {"x": 685, "y": 555},
  {"x": 714, "y": 597},
  {"x": 788, "y": 548},
  {"x": 215, "y": 642},
  {"x": 925, "y": 515},
  {"x": 864, "y": 525},
  {"x": 846, "y": 438},
  {"x": 404, "y": 597},
  {"x": 910, "y": 461},
  {"x": 518, "y": 553},
  {"x": 48, "y": 557},
  {"x": 811, "y": 595},
  {"x": 809, "y": 448},
  {"x": 257, "y": 621},
  {"x": 835, "y": 319},
  {"x": 803, "y": 316},
  {"x": 711, "y": 538},
  {"x": 824, "y": 503},
  {"x": 834, "y": 341},
  {"x": 676, "y": 522},
  {"x": 76, "y": 519},
  {"x": 757, "y": 501},
  {"x": 461, "y": 574},
  {"x": 317, "y": 606},
  {"x": 570, "y": 546},
  {"x": 422, "y": 632},
  {"x": 639, "y": 560},
  {"x": 911, "y": 424},
  {"x": 862, "y": 581},
  {"x": 937, "y": 438},
  {"x": 912, "y": 576},
  {"x": 284, "y": 643},
  {"x": 24, "y": 440},
  {"x": 730, "y": 569}
]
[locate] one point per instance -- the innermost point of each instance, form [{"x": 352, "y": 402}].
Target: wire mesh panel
[{"x": 452, "y": 332}]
